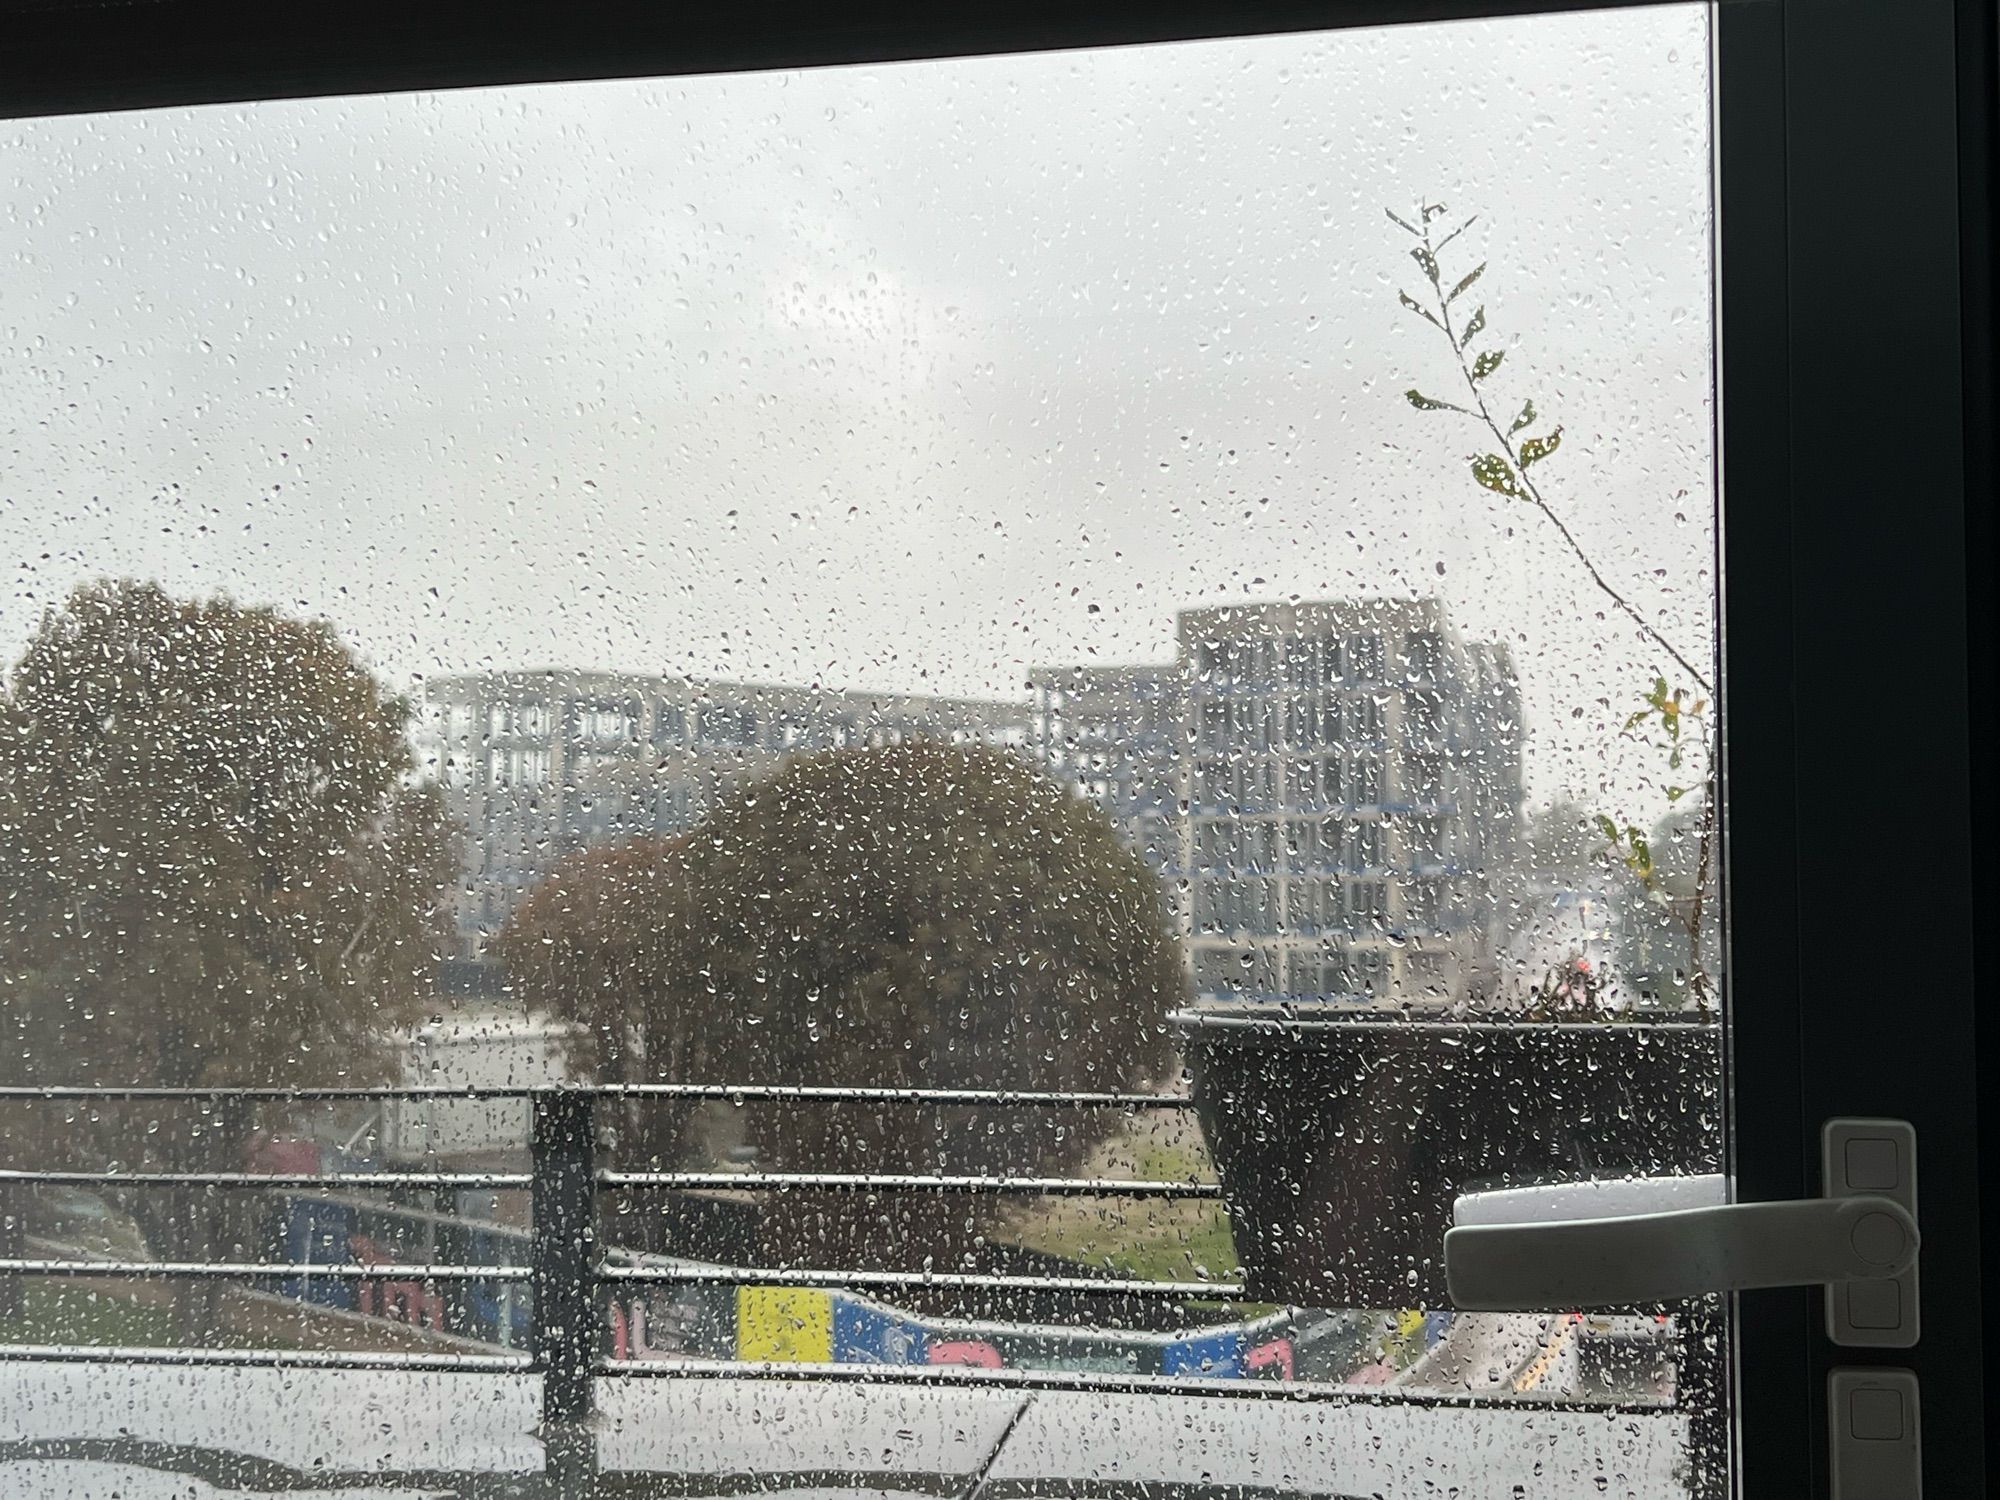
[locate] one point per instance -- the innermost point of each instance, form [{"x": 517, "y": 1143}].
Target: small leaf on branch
[
  {"x": 1466, "y": 280},
  {"x": 1399, "y": 222},
  {"x": 1675, "y": 793},
  {"x": 1527, "y": 416},
  {"x": 1426, "y": 260},
  {"x": 1425, "y": 403},
  {"x": 1493, "y": 471},
  {"x": 1487, "y": 363},
  {"x": 1418, "y": 308},
  {"x": 1534, "y": 450},
  {"x": 1478, "y": 322},
  {"x": 1608, "y": 828},
  {"x": 1432, "y": 210}
]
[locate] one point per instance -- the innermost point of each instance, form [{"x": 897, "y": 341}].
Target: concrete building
[
  {"x": 1354, "y": 773},
  {"x": 1116, "y": 734},
  {"x": 539, "y": 764},
  {"x": 1325, "y": 788}
]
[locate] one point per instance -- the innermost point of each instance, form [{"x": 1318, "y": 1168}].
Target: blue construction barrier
[{"x": 708, "y": 1322}]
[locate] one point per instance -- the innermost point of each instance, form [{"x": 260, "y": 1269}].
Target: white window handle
[{"x": 1569, "y": 1246}]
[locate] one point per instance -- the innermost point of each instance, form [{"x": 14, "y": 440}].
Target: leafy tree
[
  {"x": 214, "y": 868},
  {"x": 913, "y": 916},
  {"x": 1562, "y": 843}
]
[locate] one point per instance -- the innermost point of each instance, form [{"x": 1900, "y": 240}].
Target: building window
[
  {"x": 606, "y": 723},
  {"x": 1259, "y": 783},
  {"x": 1367, "y": 903},
  {"x": 1215, "y": 725},
  {"x": 1312, "y": 726},
  {"x": 1423, "y": 714},
  {"x": 1329, "y": 845},
  {"x": 1364, "y": 720},
  {"x": 1364, "y": 780},
  {"x": 1423, "y": 901},
  {"x": 1260, "y": 846},
  {"x": 1211, "y": 782},
  {"x": 1423, "y": 776},
  {"x": 1423, "y": 654},
  {"x": 1305, "y": 908},
  {"x": 1332, "y": 782},
  {"x": 723, "y": 725},
  {"x": 1302, "y": 846},
  {"x": 1235, "y": 971},
  {"x": 1364, "y": 845},
  {"x": 1364, "y": 657}
]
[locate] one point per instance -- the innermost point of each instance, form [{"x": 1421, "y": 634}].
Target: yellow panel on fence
[{"x": 788, "y": 1324}]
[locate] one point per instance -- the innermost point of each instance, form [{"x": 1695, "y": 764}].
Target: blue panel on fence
[
  {"x": 867, "y": 1334},
  {"x": 318, "y": 1233},
  {"x": 1217, "y": 1354}
]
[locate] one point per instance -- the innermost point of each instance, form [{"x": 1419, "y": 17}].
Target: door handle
[{"x": 1578, "y": 1245}]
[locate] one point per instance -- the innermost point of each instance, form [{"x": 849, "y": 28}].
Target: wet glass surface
[{"x": 978, "y": 729}]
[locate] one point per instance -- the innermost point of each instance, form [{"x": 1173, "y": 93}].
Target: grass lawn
[
  {"x": 1152, "y": 1239},
  {"x": 58, "y": 1312}
]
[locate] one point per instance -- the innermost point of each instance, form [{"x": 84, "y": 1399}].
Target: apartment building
[
  {"x": 1355, "y": 773},
  {"x": 1324, "y": 786},
  {"x": 1115, "y": 733}
]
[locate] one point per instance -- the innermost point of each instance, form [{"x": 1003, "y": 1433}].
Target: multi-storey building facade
[
  {"x": 539, "y": 764},
  {"x": 1325, "y": 786},
  {"x": 1354, "y": 772},
  {"x": 1116, "y": 734}
]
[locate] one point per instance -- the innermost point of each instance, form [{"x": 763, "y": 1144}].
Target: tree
[
  {"x": 214, "y": 867},
  {"x": 1563, "y": 844},
  {"x": 914, "y": 916}
]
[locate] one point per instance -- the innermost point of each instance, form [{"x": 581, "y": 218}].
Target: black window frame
[{"x": 1856, "y": 204}]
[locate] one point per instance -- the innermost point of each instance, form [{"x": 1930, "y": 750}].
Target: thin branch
[
  {"x": 1534, "y": 494},
  {"x": 1698, "y": 976}
]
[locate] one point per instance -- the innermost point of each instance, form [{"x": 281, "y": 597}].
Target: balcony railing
[
  {"x": 569, "y": 1267},
  {"x": 566, "y": 1267}
]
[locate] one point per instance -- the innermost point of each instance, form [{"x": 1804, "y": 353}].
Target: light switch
[
  {"x": 1877, "y": 1157},
  {"x": 1876, "y": 1450}
]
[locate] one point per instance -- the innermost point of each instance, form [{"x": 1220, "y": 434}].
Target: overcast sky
[{"x": 908, "y": 377}]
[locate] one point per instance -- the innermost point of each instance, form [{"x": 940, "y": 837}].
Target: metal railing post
[
  {"x": 563, "y": 1264},
  {"x": 13, "y": 1243}
]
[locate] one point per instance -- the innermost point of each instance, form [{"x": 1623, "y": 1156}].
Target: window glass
[{"x": 1140, "y": 572}]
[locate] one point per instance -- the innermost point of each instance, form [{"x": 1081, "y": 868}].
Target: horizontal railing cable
[
  {"x": 316, "y": 1359},
  {"x": 919, "y": 1281},
  {"x": 732, "y": 1092},
  {"x": 1116, "y": 1383},
  {"x": 260, "y": 1270},
  {"x": 272, "y": 1179},
  {"x": 896, "y": 1182}
]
